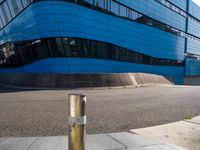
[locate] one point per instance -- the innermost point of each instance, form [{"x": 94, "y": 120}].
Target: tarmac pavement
[{"x": 29, "y": 113}]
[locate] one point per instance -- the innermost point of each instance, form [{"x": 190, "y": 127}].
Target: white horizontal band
[{"x": 77, "y": 120}]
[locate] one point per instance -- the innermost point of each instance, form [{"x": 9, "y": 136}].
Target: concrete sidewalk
[
  {"x": 184, "y": 133},
  {"x": 116, "y": 141}
]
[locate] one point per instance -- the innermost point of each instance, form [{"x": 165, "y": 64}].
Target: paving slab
[
  {"x": 130, "y": 140},
  {"x": 63, "y": 143},
  {"x": 16, "y": 143},
  {"x": 45, "y": 143},
  {"x": 163, "y": 147},
  {"x": 158, "y": 147},
  {"x": 136, "y": 148},
  {"x": 183, "y": 133},
  {"x": 102, "y": 141},
  {"x": 176, "y": 147}
]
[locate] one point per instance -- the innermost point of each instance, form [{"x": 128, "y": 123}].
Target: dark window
[
  {"x": 122, "y": 54},
  {"x": 22, "y": 53},
  {"x": 60, "y": 46},
  {"x": 89, "y": 1},
  {"x": 73, "y": 47},
  {"x": 66, "y": 47},
  {"x": 86, "y": 48},
  {"x": 89, "y": 45},
  {"x": 131, "y": 56},
  {"x": 114, "y": 52}
]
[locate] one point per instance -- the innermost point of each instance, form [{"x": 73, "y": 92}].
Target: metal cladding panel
[
  {"x": 27, "y": 25},
  {"x": 158, "y": 11},
  {"x": 82, "y": 65},
  {"x": 192, "y": 67},
  {"x": 21, "y": 28},
  {"x": 70, "y": 20}
]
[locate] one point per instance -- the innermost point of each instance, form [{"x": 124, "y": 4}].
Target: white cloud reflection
[{"x": 197, "y": 2}]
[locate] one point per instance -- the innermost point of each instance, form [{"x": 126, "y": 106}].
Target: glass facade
[{"x": 22, "y": 53}]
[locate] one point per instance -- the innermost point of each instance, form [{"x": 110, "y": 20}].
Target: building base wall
[
  {"x": 193, "y": 80},
  {"x": 81, "y": 80}
]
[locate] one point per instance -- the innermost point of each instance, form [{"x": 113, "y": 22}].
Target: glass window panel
[
  {"x": 25, "y": 3},
  {"x": 73, "y": 47},
  {"x": 99, "y": 3},
  {"x": 10, "y": 4},
  {"x": 132, "y": 57},
  {"x": 1, "y": 22},
  {"x": 100, "y": 50},
  {"x": 107, "y": 5},
  {"x": 115, "y": 51},
  {"x": 17, "y": 6},
  {"x": 60, "y": 47},
  {"x": 7, "y": 11},
  {"x": 114, "y": 8},
  {"x": 90, "y": 47},
  {"x": 79, "y": 48},
  {"x": 91, "y": 2},
  {"x": 4, "y": 15},
  {"x": 104, "y": 50},
  {"x": 134, "y": 15},
  {"x": 66, "y": 47},
  {"x": 122, "y": 54},
  {"x": 143, "y": 19},
  {"x": 84, "y": 48},
  {"x": 122, "y": 11}
]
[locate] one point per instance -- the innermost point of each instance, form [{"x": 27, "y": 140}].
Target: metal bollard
[{"x": 77, "y": 121}]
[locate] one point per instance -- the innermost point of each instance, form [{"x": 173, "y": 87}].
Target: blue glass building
[{"x": 100, "y": 36}]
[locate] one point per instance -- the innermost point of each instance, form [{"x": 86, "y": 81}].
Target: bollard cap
[{"x": 77, "y": 94}]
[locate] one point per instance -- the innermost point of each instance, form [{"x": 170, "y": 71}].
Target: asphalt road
[{"x": 44, "y": 112}]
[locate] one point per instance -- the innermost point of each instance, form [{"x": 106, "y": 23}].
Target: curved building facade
[{"x": 100, "y": 36}]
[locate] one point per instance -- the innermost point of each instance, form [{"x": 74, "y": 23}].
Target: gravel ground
[{"x": 44, "y": 112}]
